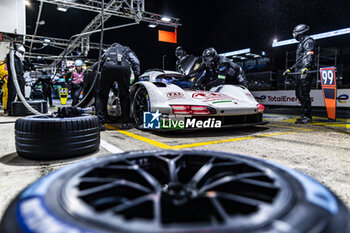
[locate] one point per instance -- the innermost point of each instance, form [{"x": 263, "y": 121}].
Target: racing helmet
[
  {"x": 179, "y": 52},
  {"x": 209, "y": 57},
  {"x": 20, "y": 50},
  {"x": 78, "y": 63},
  {"x": 300, "y": 31}
]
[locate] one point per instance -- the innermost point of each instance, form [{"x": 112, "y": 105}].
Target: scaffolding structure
[{"x": 130, "y": 9}]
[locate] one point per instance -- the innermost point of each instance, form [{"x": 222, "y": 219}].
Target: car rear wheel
[
  {"x": 176, "y": 191},
  {"x": 140, "y": 104}
]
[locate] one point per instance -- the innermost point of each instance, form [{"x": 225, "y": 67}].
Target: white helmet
[{"x": 20, "y": 52}]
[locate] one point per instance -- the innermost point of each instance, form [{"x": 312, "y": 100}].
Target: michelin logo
[{"x": 151, "y": 120}]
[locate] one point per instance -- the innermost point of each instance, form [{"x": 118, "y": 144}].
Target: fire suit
[
  {"x": 117, "y": 63},
  {"x": 4, "y": 78},
  {"x": 223, "y": 71},
  {"x": 305, "y": 53},
  {"x": 47, "y": 87}
]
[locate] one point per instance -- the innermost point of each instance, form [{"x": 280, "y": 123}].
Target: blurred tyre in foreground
[{"x": 176, "y": 191}]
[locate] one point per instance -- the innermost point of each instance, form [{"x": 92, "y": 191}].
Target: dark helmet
[
  {"x": 300, "y": 31},
  {"x": 209, "y": 57},
  {"x": 45, "y": 72},
  {"x": 179, "y": 52}
]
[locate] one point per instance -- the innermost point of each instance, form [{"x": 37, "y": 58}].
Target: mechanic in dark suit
[
  {"x": 18, "y": 62},
  {"x": 117, "y": 63},
  {"x": 305, "y": 60},
  {"x": 180, "y": 53},
  {"x": 47, "y": 86},
  {"x": 218, "y": 70}
]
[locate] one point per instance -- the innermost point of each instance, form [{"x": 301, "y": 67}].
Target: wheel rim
[
  {"x": 176, "y": 191},
  {"x": 140, "y": 105}
]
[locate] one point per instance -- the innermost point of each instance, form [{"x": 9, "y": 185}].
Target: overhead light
[
  {"x": 152, "y": 25},
  {"x": 46, "y": 42},
  {"x": 62, "y": 8},
  {"x": 27, "y": 2},
  {"x": 166, "y": 19},
  {"x": 316, "y": 37},
  {"x": 275, "y": 41},
  {"x": 242, "y": 51}
]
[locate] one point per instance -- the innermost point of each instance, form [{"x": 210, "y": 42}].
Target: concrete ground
[{"x": 320, "y": 150}]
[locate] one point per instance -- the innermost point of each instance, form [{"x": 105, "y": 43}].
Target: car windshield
[{"x": 175, "y": 79}]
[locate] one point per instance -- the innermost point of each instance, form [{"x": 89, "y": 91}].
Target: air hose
[
  {"x": 82, "y": 102},
  {"x": 15, "y": 81},
  {"x": 85, "y": 101},
  {"x": 14, "y": 75}
]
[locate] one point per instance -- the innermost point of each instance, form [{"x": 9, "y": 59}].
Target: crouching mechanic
[
  {"x": 117, "y": 63},
  {"x": 47, "y": 86},
  {"x": 219, "y": 70},
  {"x": 180, "y": 53},
  {"x": 305, "y": 60}
]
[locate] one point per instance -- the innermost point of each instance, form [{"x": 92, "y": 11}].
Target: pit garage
[{"x": 243, "y": 164}]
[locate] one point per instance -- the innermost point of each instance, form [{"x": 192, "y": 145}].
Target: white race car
[{"x": 176, "y": 104}]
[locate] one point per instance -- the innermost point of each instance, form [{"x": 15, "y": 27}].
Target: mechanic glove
[
  {"x": 286, "y": 72},
  {"x": 304, "y": 71}
]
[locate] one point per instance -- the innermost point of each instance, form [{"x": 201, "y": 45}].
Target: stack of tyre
[{"x": 19, "y": 109}]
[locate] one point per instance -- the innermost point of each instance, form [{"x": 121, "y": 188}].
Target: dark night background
[{"x": 226, "y": 25}]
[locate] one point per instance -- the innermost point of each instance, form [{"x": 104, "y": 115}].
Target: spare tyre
[
  {"x": 44, "y": 137},
  {"x": 176, "y": 191},
  {"x": 19, "y": 109}
]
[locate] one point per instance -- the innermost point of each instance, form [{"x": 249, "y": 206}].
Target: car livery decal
[
  {"x": 250, "y": 96},
  {"x": 211, "y": 96},
  {"x": 222, "y": 101},
  {"x": 175, "y": 95}
]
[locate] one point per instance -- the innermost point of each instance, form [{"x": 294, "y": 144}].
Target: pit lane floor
[{"x": 321, "y": 150}]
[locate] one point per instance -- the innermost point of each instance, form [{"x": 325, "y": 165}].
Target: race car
[{"x": 166, "y": 100}]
